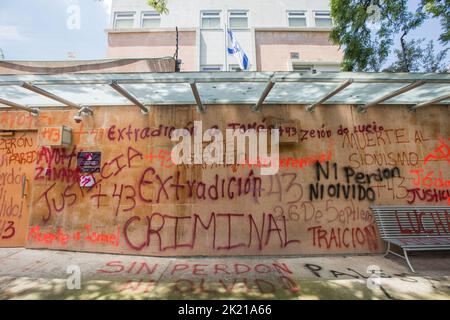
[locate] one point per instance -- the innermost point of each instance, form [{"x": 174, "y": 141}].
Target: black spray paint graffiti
[{"x": 356, "y": 184}]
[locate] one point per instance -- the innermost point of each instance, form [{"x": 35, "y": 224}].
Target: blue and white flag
[{"x": 235, "y": 49}]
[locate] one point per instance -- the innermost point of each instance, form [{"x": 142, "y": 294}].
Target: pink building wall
[
  {"x": 273, "y": 49},
  {"x": 154, "y": 44}
]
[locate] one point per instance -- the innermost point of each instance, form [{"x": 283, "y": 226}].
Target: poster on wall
[{"x": 89, "y": 162}]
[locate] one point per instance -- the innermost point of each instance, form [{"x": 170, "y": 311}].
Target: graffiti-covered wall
[{"x": 139, "y": 202}]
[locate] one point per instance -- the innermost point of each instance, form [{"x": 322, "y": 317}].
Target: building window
[
  {"x": 211, "y": 20},
  {"x": 302, "y": 68},
  {"x": 297, "y": 19},
  {"x": 124, "y": 20},
  {"x": 295, "y": 55},
  {"x": 238, "y": 20},
  {"x": 211, "y": 68},
  {"x": 150, "y": 20},
  {"x": 323, "y": 19}
]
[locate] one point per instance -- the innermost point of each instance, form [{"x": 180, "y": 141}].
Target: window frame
[
  {"x": 311, "y": 67},
  {"x": 117, "y": 18},
  {"x": 244, "y": 12},
  {"x": 219, "y": 66},
  {"x": 323, "y": 18},
  {"x": 219, "y": 15},
  {"x": 305, "y": 16},
  {"x": 154, "y": 13},
  {"x": 233, "y": 66}
]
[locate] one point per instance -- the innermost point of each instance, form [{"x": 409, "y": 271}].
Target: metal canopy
[{"x": 255, "y": 89}]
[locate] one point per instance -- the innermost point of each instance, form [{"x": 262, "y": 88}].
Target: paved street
[{"x": 45, "y": 274}]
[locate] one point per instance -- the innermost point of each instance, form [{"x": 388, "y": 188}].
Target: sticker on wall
[
  {"x": 87, "y": 181},
  {"x": 89, "y": 162}
]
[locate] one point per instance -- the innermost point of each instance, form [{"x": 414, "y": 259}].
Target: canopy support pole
[
  {"x": 49, "y": 95},
  {"x": 200, "y": 107},
  {"x": 429, "y": 103},
  {"x": 116, "y": 86},
  {"x": 33, "y": 111},
  {"x": 391, "y": 95},
  {"x": 258, "y": 106},
  {"x": 329, "y": 95}
]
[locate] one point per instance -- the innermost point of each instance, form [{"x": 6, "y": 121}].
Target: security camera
[
  {"x": 77, "y": 118},
  {"x": 84, "y": 111}
]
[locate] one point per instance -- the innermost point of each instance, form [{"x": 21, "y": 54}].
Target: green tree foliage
[
  {"x": 407, "y": 58},
  {"x": 434, "y": 62},
  {"x": 412, "y": 57},
  {"x": 159, "y": 5},
  {"x": 439, "y": 9},
  {"x": 367, "y": 43}
]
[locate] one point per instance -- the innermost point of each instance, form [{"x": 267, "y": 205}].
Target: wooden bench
[{"x": 413, "y": 228}]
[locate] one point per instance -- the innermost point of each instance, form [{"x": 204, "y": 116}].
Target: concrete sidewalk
[{"x": 44, "y": 274}]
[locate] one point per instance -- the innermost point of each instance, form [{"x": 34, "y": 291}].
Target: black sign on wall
[{"x": 88, "y": 162}]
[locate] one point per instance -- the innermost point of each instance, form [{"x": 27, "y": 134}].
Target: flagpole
[{"x": 226, "y": 47}]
